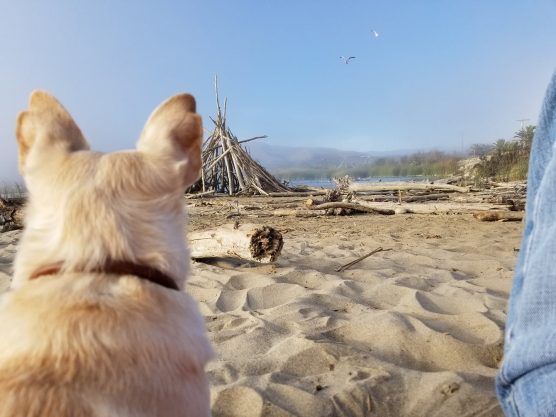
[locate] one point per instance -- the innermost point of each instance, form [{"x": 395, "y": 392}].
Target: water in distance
[{"x": 329, "y": 184}]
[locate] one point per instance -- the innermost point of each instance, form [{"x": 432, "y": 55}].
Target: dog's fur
[{"x": 81, "y": 343}]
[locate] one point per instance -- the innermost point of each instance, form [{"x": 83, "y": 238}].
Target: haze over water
[{"x": 439, "y": 75}]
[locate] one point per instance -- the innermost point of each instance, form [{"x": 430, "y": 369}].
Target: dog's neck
[{"x": 116, "y": 268}]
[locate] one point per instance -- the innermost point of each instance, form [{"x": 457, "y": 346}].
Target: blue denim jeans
[{"x": 526, "y": 382}]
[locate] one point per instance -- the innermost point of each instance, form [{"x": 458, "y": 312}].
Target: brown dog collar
[{"x": 117, "y": 268}]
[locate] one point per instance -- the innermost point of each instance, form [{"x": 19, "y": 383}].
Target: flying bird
[
  {"x": 374, "y": 33},
  {"x": 346, "y": 60}
]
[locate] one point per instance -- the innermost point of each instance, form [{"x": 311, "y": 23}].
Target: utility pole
[{"x": 522, "y": 121}]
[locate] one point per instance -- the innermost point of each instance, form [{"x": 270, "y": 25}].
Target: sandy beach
[{"x": 413, "y": 331}]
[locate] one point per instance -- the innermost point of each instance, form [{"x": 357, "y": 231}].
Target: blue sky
[{"x": 440, "y": 73}]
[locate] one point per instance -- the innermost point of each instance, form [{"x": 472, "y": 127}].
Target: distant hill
[
  {"x": 302, "y": 162},
  {"x": 282, "y": 157},
  {"x": 279, "y": 157},
  {"x": 273, "y": 157}
]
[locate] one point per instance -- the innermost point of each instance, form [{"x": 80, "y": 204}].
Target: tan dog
[{"x": 92, "y": 326}]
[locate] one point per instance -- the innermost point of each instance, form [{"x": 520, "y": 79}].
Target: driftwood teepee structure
[{"x": 227, "y": 167}]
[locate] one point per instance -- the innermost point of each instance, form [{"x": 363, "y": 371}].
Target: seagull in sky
[
  {"x": 374, "y": 33},
  {"x": 346, "y": 60}
]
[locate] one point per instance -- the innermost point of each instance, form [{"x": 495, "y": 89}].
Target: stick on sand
[{"x": 349, "y": 265}]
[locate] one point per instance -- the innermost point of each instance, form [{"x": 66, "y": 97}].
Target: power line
[{"x": 522, "y": 121}]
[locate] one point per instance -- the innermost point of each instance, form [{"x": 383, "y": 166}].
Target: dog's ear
[
  {"x": 174, "y": 132},
  {"x": 46, "y": 130}
]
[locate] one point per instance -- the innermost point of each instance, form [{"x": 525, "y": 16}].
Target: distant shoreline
[{"x": 329, "y": 184}]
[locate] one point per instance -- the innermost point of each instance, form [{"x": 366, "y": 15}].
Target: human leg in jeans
[{"x": 526, "y": 382}]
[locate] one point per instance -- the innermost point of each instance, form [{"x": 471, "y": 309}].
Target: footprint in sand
[
  {"x": 356, "y": 401},
  {"x": 251, "y": 342},
  {"x": 273, "y": 295},
  {"x": 230, "y": 300},
  {"x": 297, "y": 402},
  {"x": 238, "y": 401},
  {"x": 309, "y": 279},
  {"x": 383, "y": 296},
  {"x": 471, "y": 328},
  {"x": 407, "y": 342},
  {"x": 227, "y": 326},
  {"x": 222, "y": 374},
  {"x": 313, "y": 361},
  {"x": 203, "y": 295},
  {"x": 247, "y": 281},
  {"x": 451, "y": 304},
  {"x": 414, "y": 282}
]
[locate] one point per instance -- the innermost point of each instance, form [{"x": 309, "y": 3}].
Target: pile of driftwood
[
  {"x": 227, "y": 167},
  {"x": 499, "y": 202}
]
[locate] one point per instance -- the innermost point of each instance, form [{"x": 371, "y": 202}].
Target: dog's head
[{"x": 86, "y": 207}]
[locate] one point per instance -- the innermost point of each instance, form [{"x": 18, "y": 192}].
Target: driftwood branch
[
  {"x": 252, "y": 139},
  {"x": 297, "y": 194},
  {"x": 283, "y": 212},
  {"x": 352, "y": 206},
  {"x": 495, "y": 215},
  {"x": 356, "y": 261},
  {"x": 395, "y": 186},
  {"x": 198, "y": 195},
  {"x": 430, "y": 208},
  {"x": 426, "y": 197}
]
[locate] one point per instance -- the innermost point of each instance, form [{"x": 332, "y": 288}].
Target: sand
[{"x": 414, "y": 331}]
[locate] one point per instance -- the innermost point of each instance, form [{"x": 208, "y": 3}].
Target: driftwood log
[
  {"x": 405, "y": 199},
  {"x": 495, "y": 215},
  {"x": 428, "y": 208},
  {"x": 401, "y": 186},
  {"x": 351, "y": 206},
  {"x": 426, "y": 197},
  {"x": 252, "y": 242},
  {"x": 199, "y": 195},
  {"x": 298, "y": 194},
  {"x": 298, "y": 212}
]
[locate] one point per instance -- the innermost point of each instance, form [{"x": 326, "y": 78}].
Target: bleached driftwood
[
  {"x": 356, "y": 261},
  {"x": 297, "y": 194},
  {"x": 387, "y": 186},
  {"x": 227, "y": 166},
  {"x": 406, "y": 199},
  {"x": 253, "y": 242},
  {"x": 430, "y": 208},
  {"x": 281, "y": 205},
  {"x": 351, "y": 206},
  {"x": 425, "y": 197},
  {"x": 495, "y": 215},
  {"x": 283, "y": 212},
  {"x": 199, "y": 195}
]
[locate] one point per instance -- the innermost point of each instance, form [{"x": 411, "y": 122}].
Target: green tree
[
  {"x": 480, "y": 149},
  {"x": 500, "y": 147},
  {"x": 525, "y": 136}
]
